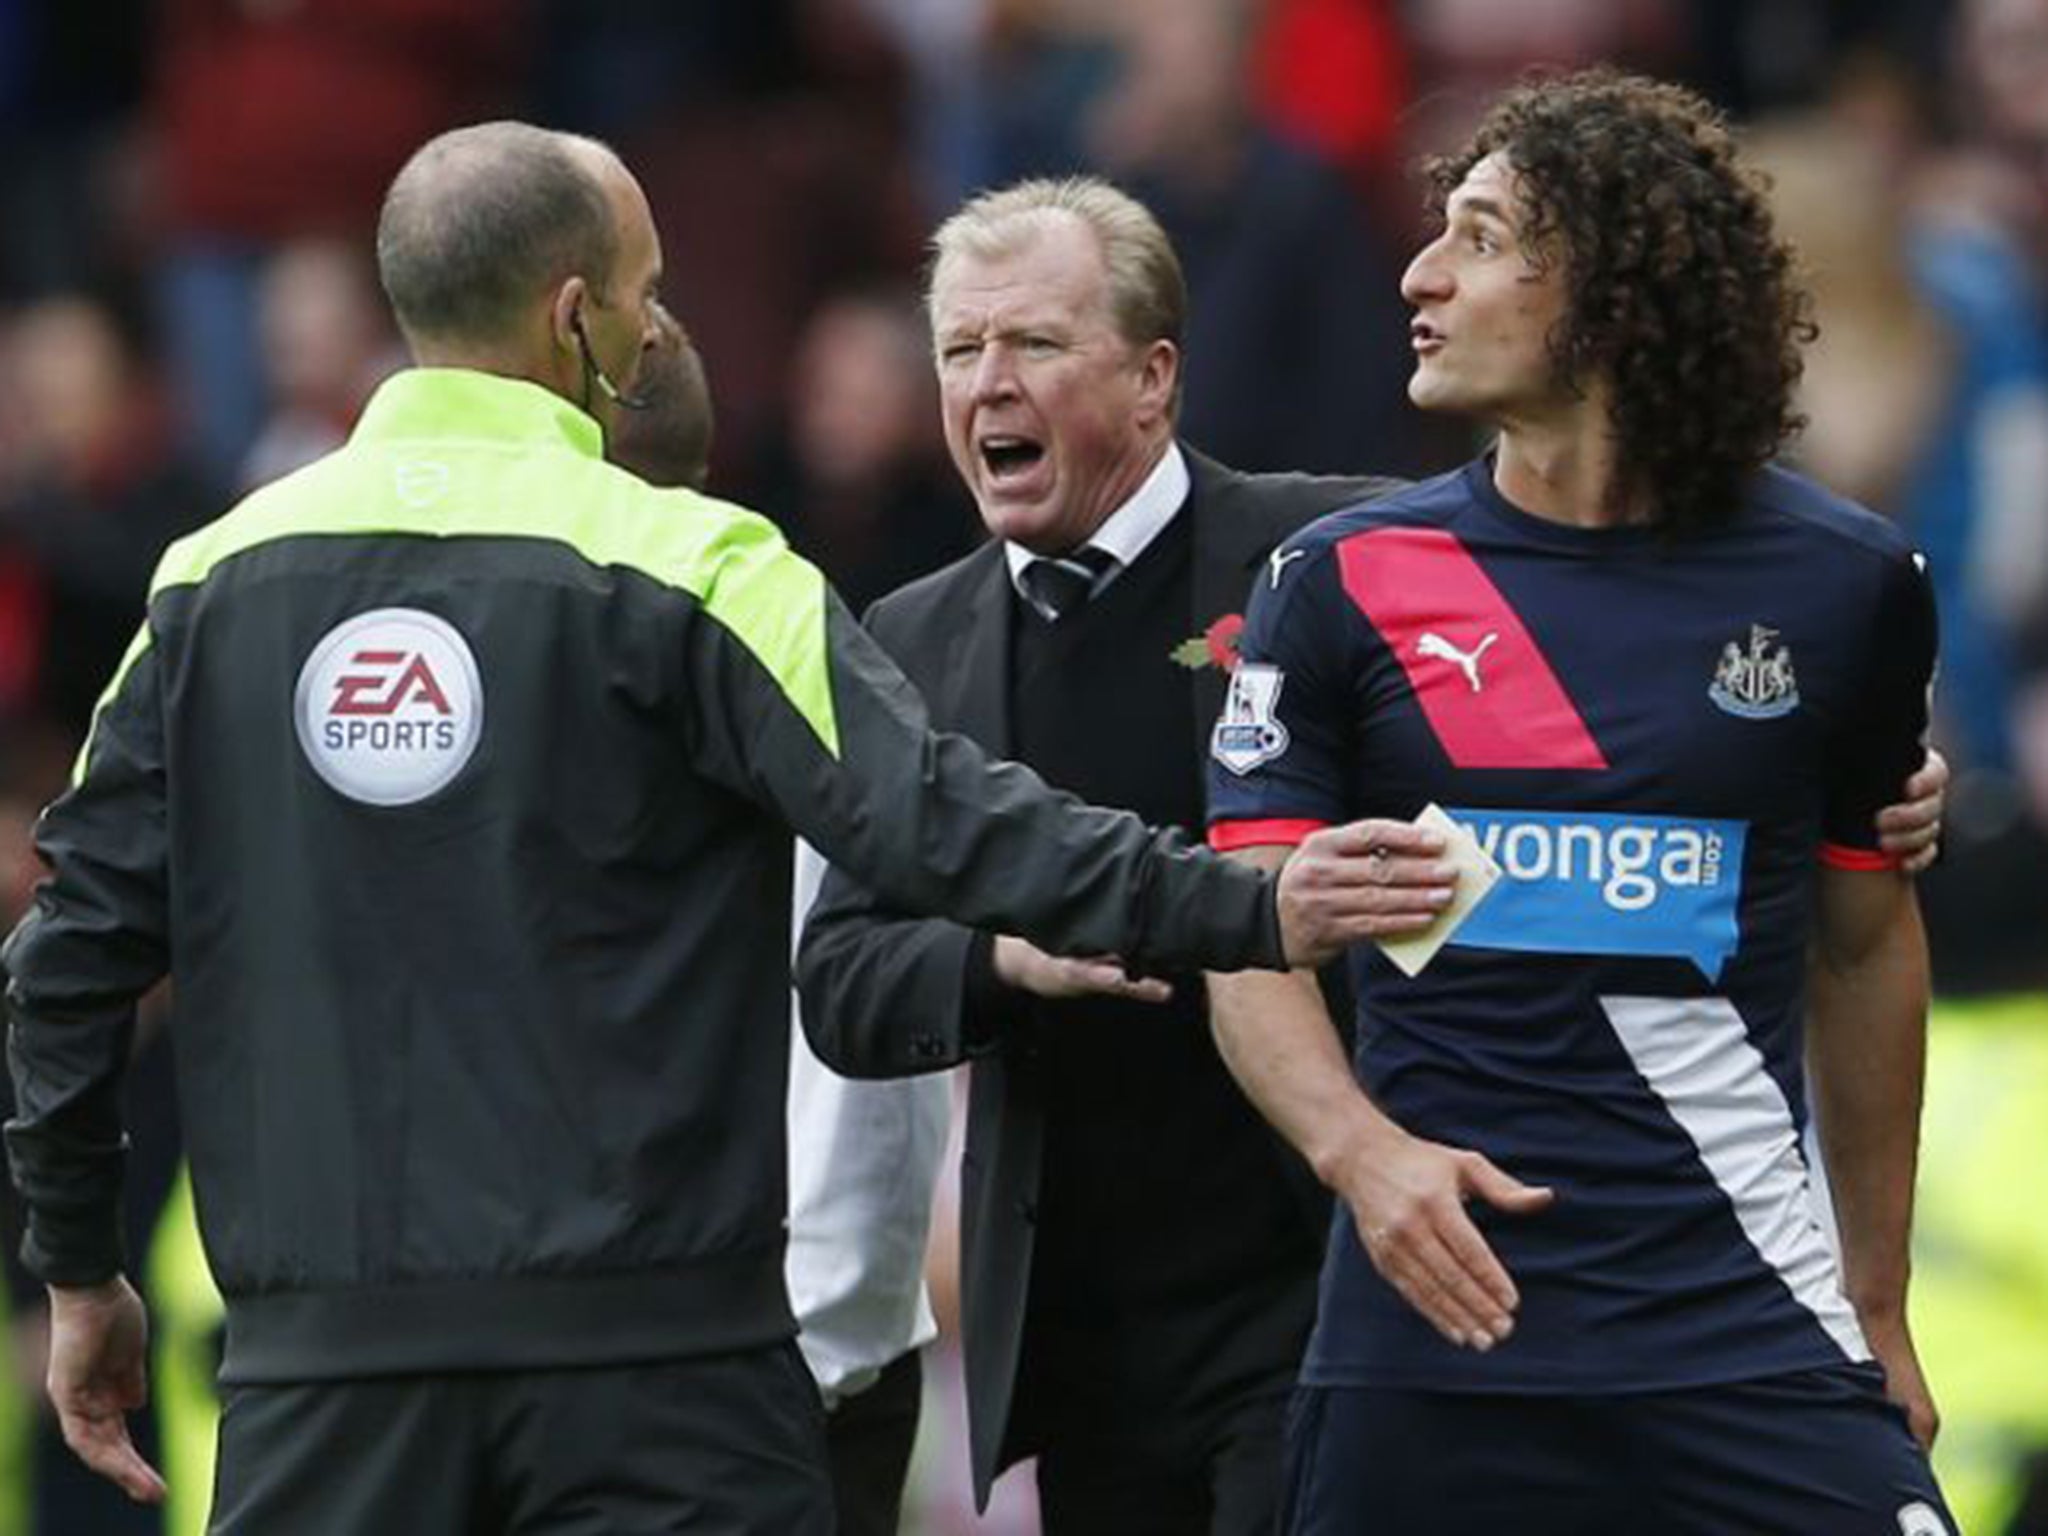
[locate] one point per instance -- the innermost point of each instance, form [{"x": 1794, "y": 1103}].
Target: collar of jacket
[{"x": 465, "y": 403}]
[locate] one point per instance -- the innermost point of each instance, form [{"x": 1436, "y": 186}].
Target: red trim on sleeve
[
  {"x": 1842, "y": 856},
  {"x": 1227, "y": 835}
]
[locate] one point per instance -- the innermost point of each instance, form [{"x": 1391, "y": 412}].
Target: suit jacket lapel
[{"x": 976, "y": 695}]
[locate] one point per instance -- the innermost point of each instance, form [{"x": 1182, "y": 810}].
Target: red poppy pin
[{"x": 1215, "y": 646}]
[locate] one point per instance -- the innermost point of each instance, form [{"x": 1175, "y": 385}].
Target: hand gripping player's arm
[
  {"x": 1911, "y": 830},
  {"x": 1406, "y": 1195},
  {"x": 1866, "y": 1055}
]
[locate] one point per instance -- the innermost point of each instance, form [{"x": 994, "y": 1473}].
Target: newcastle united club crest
[{"x": 1756, "y": 683}]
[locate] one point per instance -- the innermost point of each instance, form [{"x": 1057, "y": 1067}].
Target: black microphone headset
[{"x": 595, "y": 370}]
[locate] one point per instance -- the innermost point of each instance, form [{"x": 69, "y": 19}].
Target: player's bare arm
[
  {"x": 1406, "y": 1195},
  {"x": 1866, "y": 1054}
]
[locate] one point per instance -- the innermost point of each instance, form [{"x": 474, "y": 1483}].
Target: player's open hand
[
  {"x": 1408, "y": 1198},
  {"x": 1364, "y": 880},
  {"x": 99, "y": 1348}
]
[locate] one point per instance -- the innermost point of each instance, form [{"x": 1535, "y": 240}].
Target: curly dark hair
[{"x": 1678, "y": 288}]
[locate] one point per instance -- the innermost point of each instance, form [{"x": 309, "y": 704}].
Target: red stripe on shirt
[{"x": 1449, "y": 625}]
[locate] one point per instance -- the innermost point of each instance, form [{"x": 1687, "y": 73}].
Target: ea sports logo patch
[{"x": 389, "y": 706}]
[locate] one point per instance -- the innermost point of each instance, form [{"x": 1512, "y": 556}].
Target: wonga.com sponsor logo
[
  {"x": 1596, "y": 884},
  {"x": 389, "y": 706}
]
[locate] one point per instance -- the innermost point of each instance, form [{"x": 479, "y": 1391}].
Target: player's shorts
[{"x": 1813, "y": 1453}]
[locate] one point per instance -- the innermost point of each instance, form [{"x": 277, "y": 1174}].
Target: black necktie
[{"x": 1060, "y": 585}]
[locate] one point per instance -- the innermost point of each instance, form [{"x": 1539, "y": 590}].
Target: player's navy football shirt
[{"x": 1657, "y": 740}]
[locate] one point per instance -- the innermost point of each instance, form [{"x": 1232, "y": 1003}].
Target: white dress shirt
[
  {"x": 1131, "y": 528},
  {"x": 863, "y": 1160}
]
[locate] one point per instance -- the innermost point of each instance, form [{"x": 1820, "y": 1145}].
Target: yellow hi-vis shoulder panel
[
  {"x": 445, "y": 453},
  {"x": 129, "y": 657}
]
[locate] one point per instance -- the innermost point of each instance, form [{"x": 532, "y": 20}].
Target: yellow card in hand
[{"x": 1476, "y": 876}]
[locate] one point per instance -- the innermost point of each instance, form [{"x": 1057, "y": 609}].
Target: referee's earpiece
[{"x": 612, "y": 392}]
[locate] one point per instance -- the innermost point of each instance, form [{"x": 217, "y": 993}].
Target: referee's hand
[
  {"x": 99, "y": 1349},
  {"x": 1369, "y": 879}
]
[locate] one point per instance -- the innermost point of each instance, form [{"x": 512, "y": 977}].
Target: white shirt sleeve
[{"x": 863, "y": 1159}]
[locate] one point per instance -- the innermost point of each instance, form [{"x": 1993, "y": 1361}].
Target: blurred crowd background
[{"x": 188, "y": 307}]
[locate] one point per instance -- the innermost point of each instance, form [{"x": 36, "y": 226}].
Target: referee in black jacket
[{"x": 452, "y": 778}]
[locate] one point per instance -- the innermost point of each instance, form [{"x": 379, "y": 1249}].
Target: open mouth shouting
[
  {"x": 1005, "y": 456},
  {"x": 1011, "y": 461}
]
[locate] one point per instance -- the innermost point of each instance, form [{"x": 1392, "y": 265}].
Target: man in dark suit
[{"x": 1139, "y": 1252}]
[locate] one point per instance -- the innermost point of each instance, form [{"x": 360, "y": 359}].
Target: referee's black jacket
[{"x": 452, "y": 780}]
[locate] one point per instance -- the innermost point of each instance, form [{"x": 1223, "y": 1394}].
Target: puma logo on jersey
[
  {"x": 1278, "y": 561},
  {"x": 1436, "y": 647}
]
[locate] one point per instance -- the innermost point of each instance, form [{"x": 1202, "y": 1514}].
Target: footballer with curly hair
[{"x": 1580, "y": 1283}]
